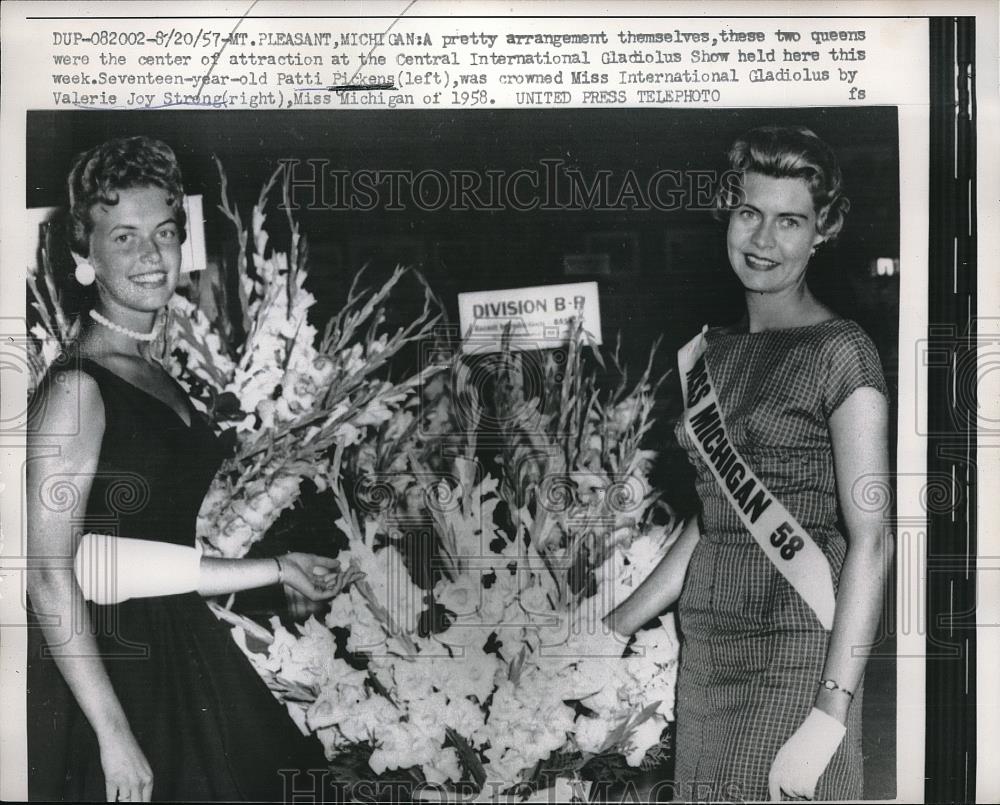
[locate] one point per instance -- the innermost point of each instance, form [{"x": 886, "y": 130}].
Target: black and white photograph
[
  {"x": 295, "y": 420},
  {"x": 524, "y": 454}
]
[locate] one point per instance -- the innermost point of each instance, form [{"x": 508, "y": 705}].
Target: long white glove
[
  {"x": 804, "y": 757},
  {"x": 110, "y": 569}
]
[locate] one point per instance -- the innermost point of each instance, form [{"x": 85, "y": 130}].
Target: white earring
[{"x": 84, "y": 273}]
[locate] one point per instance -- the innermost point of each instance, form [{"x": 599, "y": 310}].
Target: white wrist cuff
[{"x": 110, "y": 569}]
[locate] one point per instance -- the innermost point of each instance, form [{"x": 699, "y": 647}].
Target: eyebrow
[
  {"x": 170, "y": 220},
  {"x": 780, "y": 214}
]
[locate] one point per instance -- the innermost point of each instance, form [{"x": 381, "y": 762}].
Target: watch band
[{"x": 831, "y": 684}]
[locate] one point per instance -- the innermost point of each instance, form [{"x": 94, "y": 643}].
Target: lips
[
  {"x": 150, "y": 279},
  {"x": 758, "y": 263}
]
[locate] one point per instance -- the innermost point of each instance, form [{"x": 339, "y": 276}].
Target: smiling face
[
  {"x": 135, "y": 248},
  {"x": 772, "y": 233}
]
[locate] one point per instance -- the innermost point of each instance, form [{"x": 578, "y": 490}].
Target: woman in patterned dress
[{"x": 769, "y": 699}]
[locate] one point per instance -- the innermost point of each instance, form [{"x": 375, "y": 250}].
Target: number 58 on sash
[{"x": 789, "y": 543}]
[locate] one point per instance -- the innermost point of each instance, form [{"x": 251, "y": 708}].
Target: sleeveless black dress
[{"x": 208, "y": 725}]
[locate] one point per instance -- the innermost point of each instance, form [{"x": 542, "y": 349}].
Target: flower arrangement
[
  {"x": 289, "y": 393},
  {"x": 499, "y": 672},
  {"x": 53, "y": 331}
]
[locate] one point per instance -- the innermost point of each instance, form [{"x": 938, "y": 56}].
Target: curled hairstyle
[
  {"x": 787, "y": 152},
  {"x": 127, "y": 162}
]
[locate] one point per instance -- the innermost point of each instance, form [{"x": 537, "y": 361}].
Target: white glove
[
  {"x": 110, "y": 569},
  {"x": 804, "y": 757}
]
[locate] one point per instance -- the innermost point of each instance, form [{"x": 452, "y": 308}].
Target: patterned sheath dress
[
  {"x": 753, "y": 651},
  {"x": 207, "y": 723}
]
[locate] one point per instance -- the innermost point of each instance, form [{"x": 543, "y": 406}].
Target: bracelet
[
  {"x": 830, "y": 684},
  {"x": 277, "y": 561}
]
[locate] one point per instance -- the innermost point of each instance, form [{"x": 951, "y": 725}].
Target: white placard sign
[
  {"x": 193, "y": 256},
  {"x": 538, "y": 317}
]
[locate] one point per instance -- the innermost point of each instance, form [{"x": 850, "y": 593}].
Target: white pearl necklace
[{"x": 123, "y": 330}]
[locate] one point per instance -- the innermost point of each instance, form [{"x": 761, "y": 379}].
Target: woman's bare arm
[
  {"x": 858, "y": 429},
  {"x": 316, "y": 577},
  {"x": 56, "y": 462},
  {"x": 659, "y": 589}
]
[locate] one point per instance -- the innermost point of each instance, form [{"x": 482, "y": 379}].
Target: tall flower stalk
[
  {"x": 292, "y": 395},
  {"x": 54, "y": 332}
]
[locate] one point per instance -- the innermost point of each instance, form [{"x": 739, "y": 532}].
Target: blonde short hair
[{"x": 787, "y": 152}]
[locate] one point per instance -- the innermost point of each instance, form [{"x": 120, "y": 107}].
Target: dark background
[
  {"x": 673, "y": 279},
  {"x": 669, "y": 271}
]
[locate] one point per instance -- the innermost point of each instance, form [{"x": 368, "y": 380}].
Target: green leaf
[{"x": 468, "y": 756}]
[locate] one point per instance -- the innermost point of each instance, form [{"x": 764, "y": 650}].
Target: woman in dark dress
[
  {"x": 149, "y": 697},
  {"x": 785, "y": 414}
]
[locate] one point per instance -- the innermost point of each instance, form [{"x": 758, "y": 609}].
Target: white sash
[{"x": 783, "y": 540}]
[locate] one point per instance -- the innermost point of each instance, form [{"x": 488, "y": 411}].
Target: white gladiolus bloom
[
  {"x": 463, "y": 716},
  {"x": 506, "y": 764},
  {"x": 642, "y": 738},
  {"x": 537, "y": 604},
  {"x": 463, "y": 634},
  {"x": 411, "y": 680},
  {"x": 366, "y": 638},
  {"x": 342, "y": 611},
  {"x": 308, "y": 659},
  {"x": 591, "y": 733},
  {"x": 474, "y": 674},
  {"x": 444, "y": 767},
  {"x": 461, "y": 596},
  {"x": 337, "y": 703},
  {"x": 375, "y": 413},
  {"x": 50, "y": 344},
  {"x": 347, "y": 434},
  {"x": 401, "y": 746},
  {"x": 371, "y": 716}
]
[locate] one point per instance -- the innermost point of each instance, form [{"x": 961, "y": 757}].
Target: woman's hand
[
  {"x": 127, "y": 774},
  {"x": 661, "y": 588},
  {"x": 316, "y": 578},
  {"x": 804, "y": 757},
  {"x": 580, "y": 634}
]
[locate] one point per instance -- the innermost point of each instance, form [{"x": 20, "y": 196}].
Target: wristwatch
[{"x": 830, "y": 684}]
